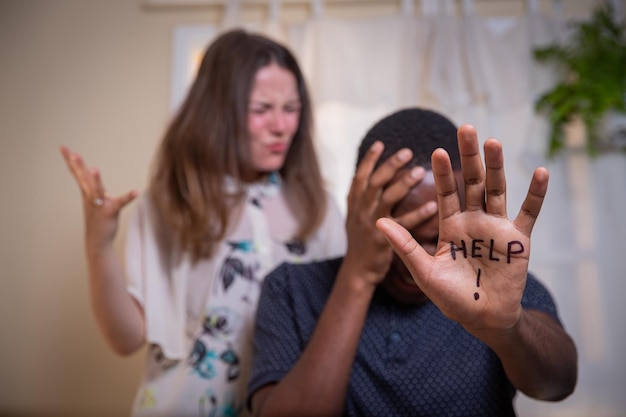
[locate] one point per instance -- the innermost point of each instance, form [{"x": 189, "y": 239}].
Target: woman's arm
[{"x": 118, "y": 314}]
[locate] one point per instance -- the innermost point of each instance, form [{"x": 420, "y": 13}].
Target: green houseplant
[{"x": 592, "y": 78}]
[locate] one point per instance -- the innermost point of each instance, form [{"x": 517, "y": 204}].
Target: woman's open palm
[{"x": 100, "y": 209}]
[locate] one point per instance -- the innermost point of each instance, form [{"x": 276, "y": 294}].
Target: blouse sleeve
[
  {"x": 332, "y": 231},
  {"x": 157, "y": 283}
]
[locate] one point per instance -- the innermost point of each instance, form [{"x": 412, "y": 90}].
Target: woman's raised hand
[{"x": 101, "y": 210}]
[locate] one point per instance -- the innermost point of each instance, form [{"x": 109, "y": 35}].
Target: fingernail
[
  {"x": 404, "y": 154},
  {"x": 376, "y": 146},
  {"x": 416, "y": 172}
]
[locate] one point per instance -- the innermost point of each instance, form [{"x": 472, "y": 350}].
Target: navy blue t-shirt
[{"x": 411, "y": 361}]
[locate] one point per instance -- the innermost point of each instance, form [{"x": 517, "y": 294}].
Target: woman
[{"x": 235, "y": 190}]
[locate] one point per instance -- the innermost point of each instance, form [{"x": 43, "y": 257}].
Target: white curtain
[{"x": 480, "y": 70}]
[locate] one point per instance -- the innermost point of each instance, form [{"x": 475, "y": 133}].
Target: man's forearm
[
  {"x": 538, "y": 356},
  {"x": 317, "y": 384}
]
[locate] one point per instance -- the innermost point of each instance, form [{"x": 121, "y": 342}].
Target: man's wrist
[
  {"x": 357, "y": 280},
  {"x": 507, "y": 331}
]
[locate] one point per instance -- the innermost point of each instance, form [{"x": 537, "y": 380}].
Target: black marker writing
[
  {"x": 491, "y": 257},
  {"x": 514, "y": 247},
  {"x": 476, "y": 295},
  {"x": 454, "y": 249},
  {"x": 476, "y": 248},
  {"x": 510, "y": 252}
]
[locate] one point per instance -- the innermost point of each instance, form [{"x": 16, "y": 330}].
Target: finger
[
  {"x": 77, "y": 168},
  {"x": 364, "y": 170},
  {"x": 531, "y": 206},
  {"x": 410, "y": 252},
  {"x": 69, "y": 160},
  {"x": 399, "y": 189},
  {"x": 98, "y": 187},
  {"x": 415, "y": 217},
  {"x": 495, "y": 185},
  {"x": 388, "y": 169},
  {"x": 473, "y": 171},
  {"x": 65, "y": 152},
  {"x": 126, "y": 198},
  {"x": 382, "y": 177},
  {"x": 445, "y": 184}
]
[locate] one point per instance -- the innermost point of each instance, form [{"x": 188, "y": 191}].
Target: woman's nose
[{"x": 279, "y": 122}]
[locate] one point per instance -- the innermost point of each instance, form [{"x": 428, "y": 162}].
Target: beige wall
[{"x": 94, "y": 75}]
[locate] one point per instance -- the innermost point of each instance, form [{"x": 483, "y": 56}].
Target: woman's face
[{"x": 273, "y": 116}]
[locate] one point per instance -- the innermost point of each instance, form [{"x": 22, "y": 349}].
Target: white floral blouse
[{"x": 199, "y": 317}]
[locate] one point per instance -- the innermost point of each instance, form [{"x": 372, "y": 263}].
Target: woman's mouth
[{"x": 277, "y": 147}]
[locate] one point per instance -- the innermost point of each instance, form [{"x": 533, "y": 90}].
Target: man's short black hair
[{"x": 418, "y": 129}]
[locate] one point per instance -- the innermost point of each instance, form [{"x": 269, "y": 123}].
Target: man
[{"x": 455, "y": 332}]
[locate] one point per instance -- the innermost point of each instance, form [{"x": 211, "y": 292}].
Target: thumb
[
  {"x": 398, "y": 237},
  {"x": 128, "y": 197},
  {"x": 410, "y": 252}
]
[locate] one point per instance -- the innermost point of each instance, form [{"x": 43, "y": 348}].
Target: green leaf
[{"x": 591, "y": 66}]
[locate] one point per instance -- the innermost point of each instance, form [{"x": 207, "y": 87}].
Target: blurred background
[{"x": 104, "y": 76}]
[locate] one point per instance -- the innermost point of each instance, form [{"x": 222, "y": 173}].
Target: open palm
[
  {"x": 101, "y": 211},
  {"x": 478, "y": 273}
]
